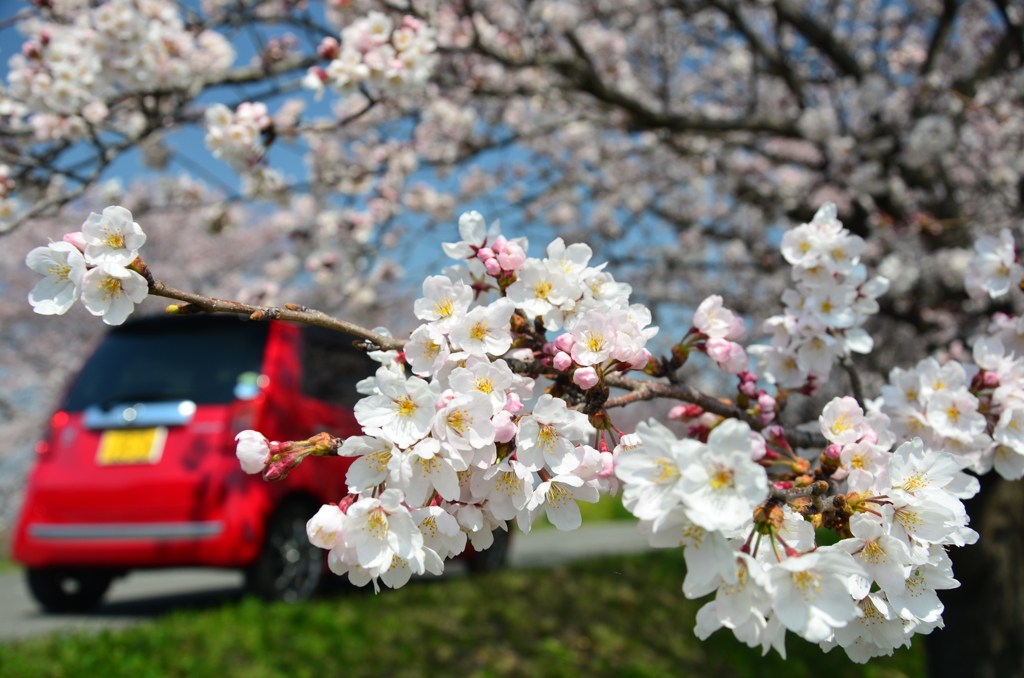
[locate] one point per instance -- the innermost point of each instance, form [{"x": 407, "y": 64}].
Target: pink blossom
[{"x": 729, "y": 355}]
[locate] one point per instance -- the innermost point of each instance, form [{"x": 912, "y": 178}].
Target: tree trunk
[{"x": 984, "y": 633}]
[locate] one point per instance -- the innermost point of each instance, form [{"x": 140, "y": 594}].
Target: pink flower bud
[
  {"x": 347, "y": 501},
  {"x": 442, "y": 402},
  {"x": 485, "y": 253},
  {"x": 871, "y": 436},
  {"x": 550, "y": 348},
  {"x": 279, "y": 470},
  {"x": 512, "y": 403},
  {"x": 513, "y": 258},
  {"x": 77, "y": 239},
  {"x": 776, "y": 434},
  {"x": 748, "y": 389},
  {"x": 586, "y": 378},
  {"x": 678, "y": 412},
  {"x": 504, "y": 428},
  {"x": 757, "y": 446},
  {"x": 328, "y": 48},
  {"x": 766, "y": 401},
  {"x": 833, "y": 451},
  {"x": 562, "y": 361},
  {"x": 499, "y": 245},
  {"x": 564, "y": 342},
  {"x": 640, "y": 360},
  {"x": 493, "y": 267},
  {"x": 990, "y": 379}
]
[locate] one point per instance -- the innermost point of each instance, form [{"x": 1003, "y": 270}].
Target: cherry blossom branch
[
  {"x": 639, "y": 389},
  {"x": 293, "y": 312},
  {"x": 649, "y": 390}
]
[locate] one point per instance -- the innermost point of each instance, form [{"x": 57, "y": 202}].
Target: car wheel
[
  {"x": 68, "y": 589},
  {"x": 288, "y": 568},
  {"x": 494, "y": 558}
]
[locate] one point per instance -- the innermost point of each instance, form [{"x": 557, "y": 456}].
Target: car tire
[
  {"x": 494, "y": 558},
  {"x": 289, "y": 568},
  {"x": 62, "y": 590}
]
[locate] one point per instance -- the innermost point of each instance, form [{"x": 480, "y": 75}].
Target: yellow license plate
[{"x": 132, "y": 446}]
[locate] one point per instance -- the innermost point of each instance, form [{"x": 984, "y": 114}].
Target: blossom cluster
[
  {"x": 994, "y": 269},
  {"x": 237, "y": 137},
  {"x": 91, "y": 264},
  {"x": 376, "y": 53},
  {"x": 68, "y": 70},
  {"x": 824, "y": 313},
  {"x": 454, "y": 444},
  {"x": 868, "y": 593},
  {"x": 973, "y": 411}
]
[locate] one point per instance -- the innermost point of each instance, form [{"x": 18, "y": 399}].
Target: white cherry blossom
[
  {"x": 113, "y": 293},
  {"x": 64, "y": 268}
]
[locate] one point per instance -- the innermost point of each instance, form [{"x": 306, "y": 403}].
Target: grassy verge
[
  {"x": 8, "y": 566},
  {"x": 620, "y": 616}
]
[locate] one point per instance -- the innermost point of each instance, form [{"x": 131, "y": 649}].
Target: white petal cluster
[
  {"x": 455, "y": 440},
  {"x": 376, "y": 53},
  {"x": 237, "y": 137},
  {"x": 994, "y": 269},
  {"x": 869, "y": 593},
  {"x": 91, "y": 264},
  {"x": 824, "y": 313},
  {"x": 973, "y": 411},
  {"x": 86, "y": 55},
  {"x": 719, "y": 328}
]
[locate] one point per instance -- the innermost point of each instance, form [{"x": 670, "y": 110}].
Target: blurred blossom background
[{"x": 678, "y": 138}]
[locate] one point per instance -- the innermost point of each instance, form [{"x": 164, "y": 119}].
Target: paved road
[{"x": 144, "y": 596}]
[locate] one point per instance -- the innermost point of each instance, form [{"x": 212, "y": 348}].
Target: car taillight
[{"x": 57, "y": 422}]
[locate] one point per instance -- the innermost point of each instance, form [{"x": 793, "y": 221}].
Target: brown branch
[
  {"x": 649, "y": 390},
  {"x": 818, "y": 36},
  {"x": 292, "y": 312},
  {"x": 855, "y": 383},
  {"x": 586, "y": 78},
  {"x": 941, "y": 35}
]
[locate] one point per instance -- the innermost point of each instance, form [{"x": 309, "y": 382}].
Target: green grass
[
  {"x": 620, "y": 616},
  {"x": 7, "y": 566}
]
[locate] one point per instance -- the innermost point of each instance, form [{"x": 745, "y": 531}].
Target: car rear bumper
[
  {"x": 228, "y": 537},
  {"x": 93, "y": 531}
]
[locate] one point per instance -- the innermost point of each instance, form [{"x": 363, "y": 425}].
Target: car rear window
[
  {"x": 189, "y": 358},
  {"x": 332, "y": 366}
]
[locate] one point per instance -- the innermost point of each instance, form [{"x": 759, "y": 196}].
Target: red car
[{"x": 138, "y": 469}]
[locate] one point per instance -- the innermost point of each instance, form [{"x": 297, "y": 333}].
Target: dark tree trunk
[{"x": 984, "y": 634}]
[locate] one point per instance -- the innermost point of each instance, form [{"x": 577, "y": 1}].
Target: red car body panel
[{"x": 195, "y": 506}]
